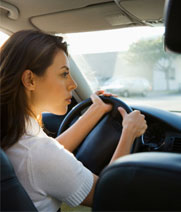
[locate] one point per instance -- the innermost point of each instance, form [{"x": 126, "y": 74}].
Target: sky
[{"x": 110, "y": 40}]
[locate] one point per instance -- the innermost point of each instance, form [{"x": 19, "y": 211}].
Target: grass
[{"x": 66, "y": 208}]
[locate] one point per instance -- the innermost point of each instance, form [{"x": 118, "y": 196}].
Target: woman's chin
[{"x": 60, "y": 112}]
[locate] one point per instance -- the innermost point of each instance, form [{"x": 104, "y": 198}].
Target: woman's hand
[
  {"x": 134, "y": 123},
  {"x": 99, "y": 103},
  {"x": 73, "y": 136}
]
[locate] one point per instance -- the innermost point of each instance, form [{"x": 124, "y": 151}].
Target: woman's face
[{"x": 53, "y": 90}]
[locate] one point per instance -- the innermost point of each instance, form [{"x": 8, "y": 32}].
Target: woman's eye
[{"x": 65, "y": 74}]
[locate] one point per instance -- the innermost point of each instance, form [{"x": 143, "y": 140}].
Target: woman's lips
[{"x": 69, "y": 100}]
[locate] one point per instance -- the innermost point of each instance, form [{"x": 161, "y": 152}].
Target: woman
[{"x": 35, "y": 77}]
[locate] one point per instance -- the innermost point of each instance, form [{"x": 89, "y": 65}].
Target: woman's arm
[
  {"x": 89, "y": 199},
  {"x": 134, "y": 125},
  {"x": 74, "y": 135}
]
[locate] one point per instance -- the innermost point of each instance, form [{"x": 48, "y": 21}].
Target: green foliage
[
  {"x": 151, "y": 52},
  {"x": 148, "y": 51}
]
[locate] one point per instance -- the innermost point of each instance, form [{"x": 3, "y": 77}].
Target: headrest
[
  {"x": 172, "y": 25},
  {"x": 140, "y": 182}
]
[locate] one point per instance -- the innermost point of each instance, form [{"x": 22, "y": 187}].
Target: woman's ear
[{"x": 28, "y": 80}]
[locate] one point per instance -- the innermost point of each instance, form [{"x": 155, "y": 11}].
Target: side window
[{"x": 3, "y": 37}]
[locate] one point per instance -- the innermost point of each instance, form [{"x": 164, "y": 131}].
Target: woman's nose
[{"x": 73, "y": 84}]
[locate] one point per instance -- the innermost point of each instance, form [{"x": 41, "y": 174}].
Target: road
[{"x": 171, "y": 102}]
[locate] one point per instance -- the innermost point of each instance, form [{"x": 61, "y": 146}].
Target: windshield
[{"x": 130, "y": 63}]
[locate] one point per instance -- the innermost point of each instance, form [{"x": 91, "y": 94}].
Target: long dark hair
[{"x": 27, "y": 49}]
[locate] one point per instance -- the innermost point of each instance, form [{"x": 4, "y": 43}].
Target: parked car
[
  {"x": 128, "y": 86},
  {"x": 107, "y": 37}
]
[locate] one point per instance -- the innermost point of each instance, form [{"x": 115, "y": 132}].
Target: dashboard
[
  {"x": 163, "y": 132},
  {"x": 162, "y": 135}
]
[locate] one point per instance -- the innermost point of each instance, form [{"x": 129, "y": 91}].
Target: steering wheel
[{"x": 99, "y": 145}]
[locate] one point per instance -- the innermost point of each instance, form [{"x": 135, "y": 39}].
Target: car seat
[
  {"x": 13, "y": 196},
  {"x": 140, "y": 182}
]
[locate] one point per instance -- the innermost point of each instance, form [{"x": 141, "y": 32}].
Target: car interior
[{"x": 148, "y": 179}]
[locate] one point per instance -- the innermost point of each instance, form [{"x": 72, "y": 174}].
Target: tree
[{"x": 152, "y": 53}]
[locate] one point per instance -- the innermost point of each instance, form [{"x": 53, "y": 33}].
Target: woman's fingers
[
  {"x": 110, "y": 94},
  {"x": 122, "y": 111},
  {"x": 133, "y": 122},
  {"x": 98, "y": 101},
  {"x": 99, "y": 92},
  {"x": 102, "y": 92},
  {"x": 95, "y": 98}
]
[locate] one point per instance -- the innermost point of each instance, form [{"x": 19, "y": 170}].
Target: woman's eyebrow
[{"x": 65, "y": 67}]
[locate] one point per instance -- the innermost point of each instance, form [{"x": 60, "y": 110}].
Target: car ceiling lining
[{"x": 82, "y": 15}]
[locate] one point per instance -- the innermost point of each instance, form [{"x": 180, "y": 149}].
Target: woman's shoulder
[{"x": 41, "y": 143}]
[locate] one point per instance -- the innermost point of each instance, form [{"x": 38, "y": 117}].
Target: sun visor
[
  {"x": 172, "y": 40},
  {"x": 91, "y": 18},
  {"x": 141, "y": 11}
]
